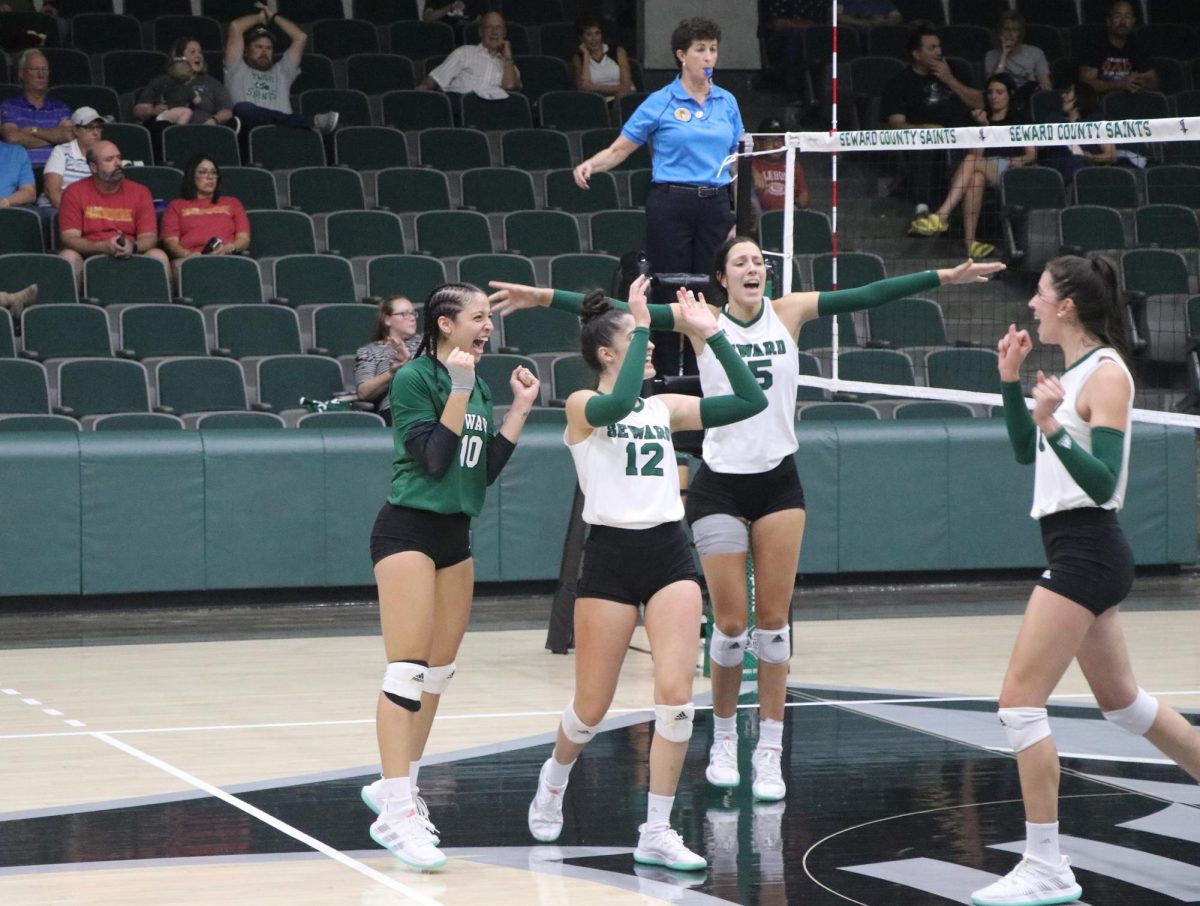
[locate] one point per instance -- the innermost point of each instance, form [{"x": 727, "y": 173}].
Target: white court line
[
  {"x": 274, "y": 822},
  {"x": 818, "y": 703}
]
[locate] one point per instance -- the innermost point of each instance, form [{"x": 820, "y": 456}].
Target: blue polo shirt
[
  {"x": 18, "y": 110},
  {"x": 15, "y": 170},
  {"x": 690, "y": 140}
]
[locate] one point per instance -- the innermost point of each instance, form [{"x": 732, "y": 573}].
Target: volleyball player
[
  {"x": 637, "y": 551},
  {"x": 447, "y": 452},
  {"x": 1078, "y": 439},
  {"x": 747, "y": 495}
]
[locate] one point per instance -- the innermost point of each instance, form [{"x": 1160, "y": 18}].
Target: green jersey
[{"x": 419, "y": 393}]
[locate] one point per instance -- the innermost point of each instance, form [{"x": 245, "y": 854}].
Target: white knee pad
[
  {"x": 674, "y": 722},
  {"x": 403, "y": 682},
  {"x": 438, "y": 678},
  {"x": 1025, "y": 726},
  {"x": 720, "y": 533},
  {"x": 575, "y": 729},
  {"x": 1138, "y": 717},
  {"x": 725, "y": 650},
  {"x": 773, "y": 646}
]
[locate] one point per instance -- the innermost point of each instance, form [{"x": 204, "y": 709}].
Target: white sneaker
[
  {"x": 722, "y": 767},
  {"x": 408, "y": 837},
  {"x": 1032, "y": 883},
  {"x": 372, "y": 797},
  {"x": 768, "y": 782},
  {"x": 545, "y": 811},
  {"x": 325, "y": 123},
  {"x": 663, "y": 846}
]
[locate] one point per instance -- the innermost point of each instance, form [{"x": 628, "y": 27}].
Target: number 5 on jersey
[{"x": 760, "y": 368}]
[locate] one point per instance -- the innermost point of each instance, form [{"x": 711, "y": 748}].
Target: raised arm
[
  {"x": 235, "y": 41},
  {"x": 1013, "y": 348}
]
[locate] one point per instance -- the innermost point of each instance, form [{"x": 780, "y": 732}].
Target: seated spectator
[
  {"x": 485, "y": 68},
  {"x": 259, "y": 87},
  {"x": 980, "y": 169},
  {"x": 393, "y": 344},
  {"x": 1025, "y": 63},
  {"x": 600, "y": 67},
  {"x": 926, "y": 93},
  {"x": 68, "y": 161},
  {"x": 185, "y": 93},
  {"x": 1117, "y": 62},
  {"x": 866, "y": 13},
  {"x": 770, "y": 171},
  {"x": 1079, "y": 102},
  {"x": 31, "y": 119},
  {"x": 107, "y": 214},
  {"x": 201, "y": 221},
  {"x": 16, "y": 177}
]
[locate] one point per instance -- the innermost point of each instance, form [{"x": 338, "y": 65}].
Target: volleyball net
[{"x": 1032, "y": 201}]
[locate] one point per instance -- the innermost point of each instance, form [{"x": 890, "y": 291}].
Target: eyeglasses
[
  {"x": 404, "y": 314},
  {"x": 38, "y": 70},
  {"x": 207, "y": 173}
]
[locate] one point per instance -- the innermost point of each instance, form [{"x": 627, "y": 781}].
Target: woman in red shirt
[{"x": 194, "y": 222}]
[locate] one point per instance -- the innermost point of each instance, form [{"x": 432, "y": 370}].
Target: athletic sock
[
  {"x": 658, "y": 811},
  {"x": 725, "y": 727},
  {"x": 558, "y": 774},
  {"x": 397, "y": 792},
  {"x": 770, "y": 733},
  {"x": 414, "y": 768},
  {"x": 1041, "y": 842}
]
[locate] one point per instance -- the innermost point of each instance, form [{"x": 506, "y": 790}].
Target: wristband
[{"x": 462, "y": 380}]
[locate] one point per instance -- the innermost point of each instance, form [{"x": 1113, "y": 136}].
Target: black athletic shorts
[
  {"x": 1089, "y": 559},
  {"x": 631, "y": 565},
  {"x": 748, "y": 497},
  {"x": 444, "y": 537}
]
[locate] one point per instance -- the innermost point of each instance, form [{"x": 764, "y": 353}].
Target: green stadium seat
[
  {"x": 450, "y": 234},
  {"x": 618, "y": 232},
  {"x": 413, "y": 276},
  {"x": 147, "y": 10},
  {"x": 534, "y": 12},
  {"x": 311, "y": 11},
  {"x": 559, "y": 39},
  {"x": 99, "y": 386},
  {"x": 134, "y": 142},
  {"x": 379, "y": 73},
  {"x": 67, "y": 66},
  {"x": 1030, "y": 200},
  {"x": 512, "y": 112},
  {"x": 493, "y": 190},
  {"x": 385, "y": 12},
  {"x": 316, "y": 72},
  {"x": 583, "y": 273},
  {"x": 130, "y": 70},
  {"x": 340, "y": 38},
  {"x": 38, "y": 423},
  {"x": 220, "y": 280},
  {"x": 569, "y": 373},
  {"x": 818, "y": 333},
  {"x": 286, "y": 148},
  {"x": 479, "y": 269},
  {"x": 412, "y": 190},
  {"x": 1155, "y": 272},
  {"x": 25, "y": 388},
  {"x": 256, "y": 330},
  {"x": 277, "y": 233},
  {"x": 100, "y": 97},
  {"x": 253, "y": 187},
  {"x": 537, "y": 331},
  {"x": 1113, "y": 187},
  {"x": 564, "y": 195},
  {"x": 8, "y": 342},
  {"x": 868, "y": 76},
  {"x": 347, "y": 419},
  {"x": 1173, "y": 184},
  {"x": 242, "y": 421},
  {"x": 52, "y": 274},
  {"x": 535, "y": 149},
  {"x": 136, "y": 421},
  {"x": 181, "y": 143},
  {"x": 416, "y": 110},
  {"x": 810, "y": 366},
  {"x": 321, "y": 190},
  {"x": 535, "y": 233},
  {"x": 122, "y": 281},
  {"x": 418, "y": 40},
  {"x": 20, "y": 231},
  {"x": 841, "y": 412},
  {"x": 454, "y": 149},
  {"x": 496, "y": 370},
  {"x": 339, "y": 330},
  {"x": 164, "y": 183},
  {"x": 627, "y": 104},
  {"x": 187, "y": 385},
  {"x": 370, "y": 148},
  {"x": 876, "y": 366},
  {"x": 1091, "y": 228},
  {"x": 166, "y": 29},
  {"x": 358, "y": 234},
  {"x": 908, "y": 322},
  {"x": 1167, "y": 226},
  {"x": 65, "y": 331},
  {"x": 639, "y": 188},
  {"x": 542, "y": 74},
  {"x": 932, "y": 409},
  {"x": 102, "y": 32},
  {"x": 352, "y": 107},
  {"x": 963, "y": 369},
  {"x": 150, "y": 331},
  {"x": 565, "y": 111},
  {"x": 854, "y": 269},
  {"x": 314, "y": 280},
  {"x": 811, "y": 232},
  {"x": 284, "y": 379}
]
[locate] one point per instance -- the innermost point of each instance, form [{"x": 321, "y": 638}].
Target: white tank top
[
  {"x": 760, "y": 443},
  {"x": 1054, "y": 490},
  {"x": 605, "y": 72},
  {"x": 627, "y": 471}
]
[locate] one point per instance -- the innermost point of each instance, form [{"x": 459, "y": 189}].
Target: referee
[{"x": 693, "y": 125}]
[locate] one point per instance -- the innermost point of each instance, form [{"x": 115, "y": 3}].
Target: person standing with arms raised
[{"x": 693, "y": 125}]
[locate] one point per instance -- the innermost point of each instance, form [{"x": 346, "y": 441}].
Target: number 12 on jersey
[{"x": 651, "y": 465}]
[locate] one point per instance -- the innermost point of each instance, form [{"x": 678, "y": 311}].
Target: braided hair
[
  {"x": 1092, "y": 284},
  {"x": 446, "y": 300},
  {"x": 600, "y": 323}
]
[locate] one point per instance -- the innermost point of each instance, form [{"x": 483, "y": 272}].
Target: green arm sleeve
[
  {"x": 1095, "y": 472},
  {"x": 747, "y": 399},
  {"x": 875, "y": 294},
  {"x": 1022, "y": 433},
  {"x": 609, "y": 408},
  {"x": 661, "y": 316}
]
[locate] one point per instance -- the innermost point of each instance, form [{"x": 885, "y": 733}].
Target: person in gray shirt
[{"x": 1025, "y": 63}]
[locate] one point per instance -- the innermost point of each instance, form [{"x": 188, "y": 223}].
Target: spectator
[
  {"x": 866, "y": 13},
  {"x": 980, "y": 169},
  {"x": 259, "y": 87},
  {"x": 1117, "y": 62},
  {"x": 1025, "y": 63},
  {"x": 393, "y": 344},
  {"x": 485, "y": 68},
  {"x": 186, "y": 93},
  {"x": 107, "y": 214},
  {"x": 16, "y": 177},
  {"x": 454, "y": 12},
  {"x": 926, "y": 93},
  {"x": 770, "y": 171},
  {"x": 1079, "y": 102},
  {"x": 600, "y": 67},
  {"x": 68, "y": 161},
  {"x": 202, "y": 221},
  {"x": 31, "y": 119}
]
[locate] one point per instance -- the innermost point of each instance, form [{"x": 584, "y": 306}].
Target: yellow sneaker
[
  {"x": 931, "y": 225},
  {"x": 980, "y": 250}
]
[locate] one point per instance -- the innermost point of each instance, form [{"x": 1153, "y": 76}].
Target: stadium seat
[
  {"x": 415, "y": 110},
  {"x": 339, "y": 330},
  {"x": 1173, "y": 184},
  {"x": 253, "y": 187},
  {"x": 346, "y": 419},
  {"x": 932, "y": 409},
  {"x": 564, "y": 111},
  {"x": 379, "y": 73},
  {"x": 820, "y": 411},
  {"x": 98, "y": 386},
  {"x": 1057, "y": 13},
  {"x": 534, "y": 12},
  {"x": 854, "y": 269},
  {"x": 818, "y": 333},
  {"x": 535, "y": 233},
  {"x": 277, "y": 233},
  {"x": 220, "y": 280},
  {"x": 314, "y": 280},
  {"x": 147, "y": 10},
  {"x": 541, "y": 330},
  {"x": 583, "y": 272},
  {"x": 541, "y": 74},
  {"x": 165, "y": 30},
  {"x": 72, "y": 8},
  {"x": 1172, "y": 40},
  {"x": 564, "y": 195},
  {"x": 1155, "y": 272},
  {"x": 454, "y": 149},
  {"x": 559, "y": 39},
  {"x": 20, "y": 231},
  {"x": 164, "y": 183},
  {"x": 256, "y": 330},
  {"x": 1170, "y": 226},
  {"x": 595, "y": 140},
  {"x": 100, "y": 97},
  {"x": 512, "y": 112},
  {"x": 535, "y": 149},
  {"x": 370, "y": 148},
  {"x": 103, "y": 32},
  {"x": 492, "y": 190},
  {"x": 52, "y": 274},
  {"x": 8, "y": 341},
  {"x": 479, "y": 269},
  {"x": 908, "y": 322},
  {"x": 1172, "y": 75},
  {"x": 285, "y": 148},
  {"x": 385, "y": 12},
  {"x": 306, "y": 12},
  {"x": 65, "y": 331},
  {"x": 67, "y": 66},
  {"x": 122, "y": 281},
  {"x": 133, "y": 140},
  {"x": 868, "y": 76},
  {"x": 181, "y": 143},
  {"x": 1048, "y": 39},
  {"x": 413, "y": 276},
  {"x": 876, "y": 366},
  {"x": 888, "y": 41},
  {"x": 496, "y": 370},
  {"x": 412, "y": 190},
  {"x": 38, "y": 23},
  {"x": 1030, "y": 199},
  {"x": 131, "y": 70},
  {"x": 352, "y": 107},
  {"x": 618, "y": 232},
  {"x": 963, "y": 369},
  {"x": 25, "y": 388},
  {"x": 450, "y": 234},
  {"x": 321, "y": 190},
  {"x": 150, "y": 331},
  {"x": 1091, "y": 228},
  {"x": 243, "y": 421},
  {"x": 569, "y": 373},
  {"x": 136, "y": 421},
  {"x": 1124, "y": 105},
  {"x": 418, "y": 40},
  {"x": 811, "y": 232},
  {"x": 359, "y": 234},
  {"x": 340, "y": 38},
  {"x": 1113, "y": 187},
  {"x": 316, "y": 72},
  {"x": 208, "y": 384},
  {"x": 282, "y": 381},
  {"x": 38, "y": 422}
]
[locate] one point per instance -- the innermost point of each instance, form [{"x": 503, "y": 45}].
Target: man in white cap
[{"x": 68, "y": 161}]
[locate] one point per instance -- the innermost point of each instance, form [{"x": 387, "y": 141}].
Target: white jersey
[
  {"x": 627, "y": 471},
  {"x": 1054, "y": 490},
  {"x": 760, "y": 443}
]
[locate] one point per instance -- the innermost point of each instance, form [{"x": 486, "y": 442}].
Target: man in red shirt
[{"x": 106, "y": 214}]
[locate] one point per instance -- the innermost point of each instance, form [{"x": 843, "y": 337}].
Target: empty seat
[
  {"x": 244, "y": 421},
  {"x": 220, "y": 280},
  {"x": 1167, "y": 226},
  {"x": 161, "y": 330},
  {"x": 8, "y": 341},
  {"x": 358, "y": 234},
  {"x": 340, "y": 38},
  {"x": 121, "y": 281},
  {"x": 379, "y": 73},
  {"x": 136, "y": 421},
  {"x": 103, "y": 99},
  {"x": 854, "y": 269},
  {"x": 314, "y": 280},
  {"x": 963, "y": 369},
  {"x": 67, "y": 66},
  {"x": 253, "y": 187},
  {"x": 573, "y": 110},
  {"x": 1114, "y": 187},
  {"x": 187, "y": 385},
  {"x": 836, "y": 412},
  {"x": 346, "y": 419},
  {"x": 20, "y": 231},
  {"x": 339, "y": 330},
  {"x": 563, "y": 194},
  {"x": 131, "y": 70},
  {"x": 181, "y": 143},
  {"x": 413, "y": 110},
  {"x": 1155, "y": 272},
  {"x": 164, "y": 183},
  {"x": 876, "y": 366},
  {"x": 1091, "y": 228},
  {"x": 811, "y": 232},
  {"x": 316, "y": 71},
  {"x": 541, "y": 330},
  {"x": 595, "y": 140},
  {"x": 535, "y": 149},
  {"x": 65, "y": 331},
  {"x": 449, "y": 234},
  {"x": 535, "y": 233},
  {"x": 932, "y": 409},
  {"x": 38, "y": 422},
  {"x": 146, "y": 10},
  {"x": 491, "y": 190},
  {"x": 306, "y": 11},
  {"x": 254, "y": 330},
  {"x": 618, "y": 232},
  {"x": 97, "y": 386},
  {"x": 52, "y": 274},
  {"x": 908, "y": 322},
  {"x": 454, "y": 149},
  {"x": 352, "y": 106},
  {"x": 412, "y": 189},
  {"x": 492, "y": 115},
  {"x": 418, "y": 40},
  {"x": 1173, "y": 184},
  {"x": 283, "y": 381},
  {"x": 101, "y": 32},
  {"x": 479, "y": 269},
  {"x": 276, "y": 233},
  {"x": 496, "y": 368},
  {"x": 414, "y": 276},
  {"x": 583, "y": 273},
  {"x": 542, "y": 74},
  {"x": 286, "y": 148},
  {"x": 320, "y": 190},
  {"x": 569, "y": 373},
  {"x": 370, "y": 148},
  {"x": 385, "y": 12},
  {"x": 24, "y": 386}
]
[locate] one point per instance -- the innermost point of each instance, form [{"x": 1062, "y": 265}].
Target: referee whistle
[{"x": 708, "y": 73}]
